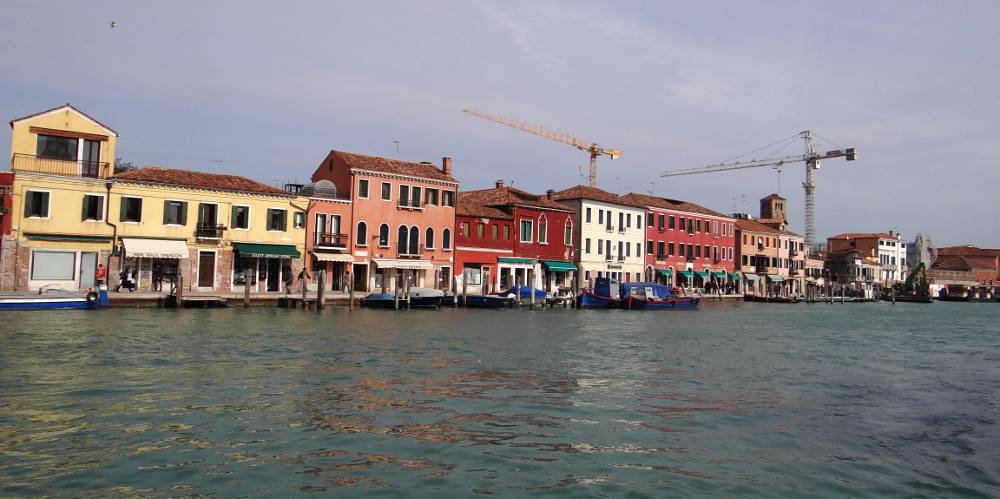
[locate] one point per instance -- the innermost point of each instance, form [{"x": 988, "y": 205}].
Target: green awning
[
  {"x": 735, "y": 276},
  {"x": 703, "y": 274},
  {"x": 558, "y": 266},
  {"x": 517, "y": 261},
  {"x": 721, "y": 274},
  {"x": 751, "y": 277},
  {"x": 686, "y": 273},
  {"x": 69, "y": 237},
  {"x": 666, "y": 273},
  {"x": 258, "y": 250},
  {"x": 775, "y": 278}
]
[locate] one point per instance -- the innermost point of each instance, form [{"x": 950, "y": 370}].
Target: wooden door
[{"x": 206, "y": 269}]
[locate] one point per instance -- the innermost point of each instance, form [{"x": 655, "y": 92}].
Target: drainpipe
[{"x": 114, "y": 233}]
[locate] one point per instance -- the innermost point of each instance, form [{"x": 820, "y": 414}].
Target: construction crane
[
  {"x": 583, "y": 145},
  {"x": 811, "y": 159}
]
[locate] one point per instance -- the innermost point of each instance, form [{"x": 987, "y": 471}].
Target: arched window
[
  {"x": 362, "y": 234},
  {"x": 543, "y": 230},
  {"x": 402, "y": 235},
  {"x": 446, "y": 239},
  {"x": 429, "y": 238},
  {"x": 414, "y": 240},
  {"x": 568, "y": 233},
  {"x": 383, "y": 235}
]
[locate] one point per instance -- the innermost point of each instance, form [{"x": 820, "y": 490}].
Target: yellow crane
[{"x": 583, "y": 145}]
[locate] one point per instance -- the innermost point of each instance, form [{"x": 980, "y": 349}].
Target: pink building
[{"x": 402, "y": 216}]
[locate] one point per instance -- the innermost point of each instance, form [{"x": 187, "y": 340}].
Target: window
[
  {"x": 36, "y": 204},
  {"x": 622, "y": 248},
  {"x": 53, "y": 265},
  {"x": 414, "y": 240},
  {"x": 277, "y": 219},
  {"x": 661, "y": 222},
  {"x": 628, "y": 221},
  {"x": 480, "y": 230},
  {"x": 495, "y": 231},
  {"x": 586, "y": 246},
  {"x": 706, "y": 253},
  {"x": 386, "y": 191},
  {"x": 682, "y": 223},
  {"x": 715, "y": 253},
  {"x": 699, "y": 225},
  {"x": 383, "y": 236},
  {"x": 415, "y": 197},
  {"x": 672, "y": 220},
  {"x": 64, "y": 148},
  {"x": 628, "y": 249},
  {"x": 174, "y": 212},
  {"x": 543, "y": 231},
  {"x": 506, "y": 233},
  {"x": 600, "y": 246},
  {"x": 93, "y": 207},
  {"x": 363, "y": 188},
  {"x": 472, "y": 275},
  {"x": 715, "y": 228},
  {"x": 671, "y": 248},
  {"x": 638, "y": 249},
  {"x": 621, "y": 220},
  {"x": 404, "y": 195},
  {"x": 299, "y": 220},
  {"x": 568, "y": 235},
  {"x": 446, "y": 239},
  {"x": 526, "y": 229},
  {"x": 587, "y": 212},
  {"x": 600, "y": 216},
  {"x": 638, "y": 222},
  {"x": 431, "y": 197},
  {"x": 447, "y": 198},
  {"x": 402, "y": 239},
  {"x": 660, "y": 247},
  {"x": 607, "y": 246},
  {"x": 649, "y": 220},
  {"x": 724, "y": 228},
  {"x": 465, "y": 229},
  {"x": 690, "y": 251},
  {"x": 361, "y": 235},
  {"x": 131, "y": 210},
  {"x": 240, "y": 217},
  {"x": 429, "y": 238},
  {"x": 690, "y": 226}
]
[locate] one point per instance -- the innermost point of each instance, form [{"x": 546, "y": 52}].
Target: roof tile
[
  {"x": 199, "y": 180},
  {"x": 395, "y": 166}
]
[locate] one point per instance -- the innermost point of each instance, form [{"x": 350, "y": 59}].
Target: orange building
[
  {"x": 402, "y": 216},
  {"x": 328, "y": 233}
]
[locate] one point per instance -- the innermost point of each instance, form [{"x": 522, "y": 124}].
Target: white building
[
  {"x": 608, "y": 234},
  {"x": 892, "y": 256}
]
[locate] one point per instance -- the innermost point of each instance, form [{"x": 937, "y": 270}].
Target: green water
[{"x": 863, "y": 400}]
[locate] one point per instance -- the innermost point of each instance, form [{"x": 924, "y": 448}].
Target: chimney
[
  {"x": 446, "y": 165},
  {"x": 499, "y": 183},
  {"x": 550, "y": 194}
]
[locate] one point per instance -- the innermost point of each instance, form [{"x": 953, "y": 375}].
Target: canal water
[{"x": 862, "y": 400}]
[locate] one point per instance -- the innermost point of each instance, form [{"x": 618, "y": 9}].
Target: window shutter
[
  {"x": 284, "y": 220},
  {"x": 166, "y": 212},
  {"x": 45, "y": 205},
  {"x": 83, "y": 214},
  {"x": 121, "y": 210},
  {"x": 232, "y": 217},
  {"x": 184, "y": 213},
  {"x": 28, "y": 198}
]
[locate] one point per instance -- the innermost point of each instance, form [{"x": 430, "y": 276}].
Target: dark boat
[
  {"x": 481, "y": 301},
  {"x": 601, "y": 296},
  {"x": 653, "y": 296},
  {"x": 419, "y": 298}
]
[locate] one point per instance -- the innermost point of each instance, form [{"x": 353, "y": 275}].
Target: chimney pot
[
  {"x": 446, "y": 165},
  {"x": 499, "y": 183},
  {"x": 550, "y": 194}
]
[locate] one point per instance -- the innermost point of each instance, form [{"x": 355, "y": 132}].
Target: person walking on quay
[
  {"x": 303, "y": 277},
  {"x": 101, "y": 274},
  {"x": 157, "y": 280},
  {"x": 347, "y": 283},
  {"x": 126, "y": 279}
]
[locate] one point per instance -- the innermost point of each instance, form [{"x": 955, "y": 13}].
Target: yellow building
[{"x": 153, "y": 225}]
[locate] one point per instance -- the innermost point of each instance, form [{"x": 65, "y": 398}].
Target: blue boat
[
  {"x": 653, "y": 296},
  {"x": 525, "y": 292},
  {"x": 56, "y": 300},
  {"x": 601, "y": 296}
]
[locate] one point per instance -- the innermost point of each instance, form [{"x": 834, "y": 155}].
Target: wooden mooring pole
[
  {"x": 321, "y": 290},
  {"x": 246, "y": 293}
]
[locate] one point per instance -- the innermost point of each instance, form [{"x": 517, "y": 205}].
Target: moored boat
[
  {"x": 653, "y": 296},
  {"x": 419, "y": 298},
  {"x": 56, "y": 300},
  {"x": 481, "y": 301},
  {"x": 604, "y": 295}
]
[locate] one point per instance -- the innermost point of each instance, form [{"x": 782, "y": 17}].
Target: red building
[
  {"x": 687, "y": 244},
  {"x": 6, "y": 244},
  {"x": 503, "y": 234}
]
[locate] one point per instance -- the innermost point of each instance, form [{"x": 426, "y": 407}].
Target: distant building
[
  {"x": 888, "y": 248},
  {"x": 771, "y": 258}
]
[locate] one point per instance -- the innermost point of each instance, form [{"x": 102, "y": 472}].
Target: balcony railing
[
  {"x": 760, "y": 269},
  {"x": 607, "y": 257},
  {"x": 609, "y": 228},
  {"x": 661, "y": 256},
  {"x": 322, "y": 192},
  {"x": 50, "y": 166},
  {"x": 330, "y": 240},
  {"x": 209, "y": 231},
  {"x": 621, "y": 258}
]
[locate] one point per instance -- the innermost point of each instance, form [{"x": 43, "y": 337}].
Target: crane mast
[
  {"x": 583, "y": 145},
  {"x": 811, "y": 159}
]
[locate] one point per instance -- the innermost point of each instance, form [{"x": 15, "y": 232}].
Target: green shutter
[
  {"x": 270, "y": 217},
  {"x": 166, "y": 212},
  {"x": 83, "y": 213},
  {"x": 232, "y": 218},
  {"x": 184, "y": 213},
  {"x": 28, "y": 198},
  {"x": 121, "y": 210},
  {"x": 284, "y": 220}
]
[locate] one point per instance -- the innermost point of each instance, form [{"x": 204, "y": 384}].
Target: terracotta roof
[
  {"x": 747, "y": 224},
  {"x": 863, "y": 235},
  {"x": 477, "y": 204},
  {"x": 593, "y": 194},
  {"x": 388, "y": 165},
  {"x": 646, "y": 200},
  {"x": 493, "y": 202},
  {"x": 200, "y": 180},
  {"x": 774, "y": 195},
  {"x": 968, "y": 250},
  {"x": 22, "y": 118}
]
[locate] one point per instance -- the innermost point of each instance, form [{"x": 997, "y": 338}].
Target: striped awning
[
  {"x": 390, "y": 263},
  {"x": 751, "y": 277},
  {"x": 137, "y": 247},
  {"x": 775, "y": 278},
  {"x": 332, "y": 257}
]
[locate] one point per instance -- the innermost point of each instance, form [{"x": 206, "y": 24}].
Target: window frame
[
  {"x": 388, "y": 236},
  {"x": 530, "y": 231},
  {"x": 47, "y": 205},
  {"x": 232, "y": 220},
  {"x": 183, "y": 205},
  {"x": 361, "y": 236},
  {"x": 270, "y": 219},
  {"x": 122, "y": 216},
  {"x": 101, "y": 209},
  {"x": 385, "y": 194},
  {"x": 446, "y": 242},
  {"x": 366, "y": 189}
]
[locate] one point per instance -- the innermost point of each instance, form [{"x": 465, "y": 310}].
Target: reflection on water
[{"x": 733, "y": 400}]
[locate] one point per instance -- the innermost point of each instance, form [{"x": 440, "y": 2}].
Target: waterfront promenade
[{"x": 746, "y": 399}]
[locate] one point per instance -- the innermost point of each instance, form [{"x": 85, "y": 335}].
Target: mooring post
[
  {"x": 350, "y": 296},
  {"x": 246, "y": 292},
  {"x": 454, "y": 291},
  {"x": 305, "y": 290},
  {"x": 531, "y": 288},
  {"x": 321, "y": 290},
  {"x": 406, "y": 285},
  {"x": 395, "y": 290},
  {"x": 179, "y": 295},
  {"x": 465, "y": 290}
]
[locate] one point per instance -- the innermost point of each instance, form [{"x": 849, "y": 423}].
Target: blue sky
[{"x": 264, "y": 89}]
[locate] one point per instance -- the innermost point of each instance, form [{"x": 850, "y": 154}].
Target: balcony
[
  {"x": 313, "y": 191},
  {"x": 661, "y": 256},
  {"x": 209, "y": 231},
  {"x": 26, "y": 163},
  {"x": 609, "y": 228},
  {"x": 607, "y": 258},
  {"x": 621, "y": 230},
  {"x": 760, "y": 269},
  {"x": 330, "y": 240},
  {"x": 405, "y": 205}
]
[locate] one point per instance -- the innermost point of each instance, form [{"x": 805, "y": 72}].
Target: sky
[{"x": 266, "y": 89}]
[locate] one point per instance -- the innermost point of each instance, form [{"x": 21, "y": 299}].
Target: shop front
[
  {"x": 559, "y": 276},
  {"x": 391, "y": 273},
  {"x": 151, "y": 265},
  {"x": 665, "y": 277},
  {"x": 336, "y": 265},
  {"x": 263, "y": 267},
  {"x": 513, "y": 271}
]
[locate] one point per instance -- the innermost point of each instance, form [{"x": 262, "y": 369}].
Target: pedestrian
[
  {"x": 347, "y": 282},
  {"x": 101, "y": 275}
]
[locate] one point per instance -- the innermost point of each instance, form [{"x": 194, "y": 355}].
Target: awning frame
[{"x": 142, "y": 247}]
